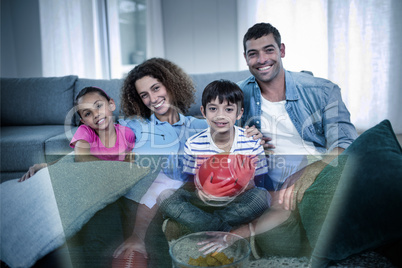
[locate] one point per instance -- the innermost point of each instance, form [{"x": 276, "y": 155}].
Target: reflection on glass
[{"x": 132, "y": 25}]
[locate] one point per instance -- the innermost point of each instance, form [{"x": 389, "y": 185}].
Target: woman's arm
[{"x": 136, "y": 242}]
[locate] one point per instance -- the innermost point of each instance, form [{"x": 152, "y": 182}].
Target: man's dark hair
[
  {"x": 259, "y": 30},
  {"x": 225, "y": 90}
]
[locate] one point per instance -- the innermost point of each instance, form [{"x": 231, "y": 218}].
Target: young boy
[{"x": 222, "y": 106}]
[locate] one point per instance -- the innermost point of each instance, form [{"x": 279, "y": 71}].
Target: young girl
[{"x": 97, "y": 137}]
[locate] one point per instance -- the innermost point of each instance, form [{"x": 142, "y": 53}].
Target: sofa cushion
[
  {"x": 5, "y": 176},
  {"x": 23, "y": 146},
  {"x": 363, "y": 212},
  {"x": 40, "y": 214},
  {"x": 36, "y": 101},
  {"x": 202, "y": 80},
  {"x": 59, "y": 145}
]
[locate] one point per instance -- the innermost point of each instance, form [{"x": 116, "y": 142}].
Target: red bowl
[{"x": 222, "y": 165}]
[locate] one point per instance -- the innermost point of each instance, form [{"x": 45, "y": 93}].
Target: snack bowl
[{"x": 186, "y": 249}]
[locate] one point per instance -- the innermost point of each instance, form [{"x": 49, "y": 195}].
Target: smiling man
[{"x": 301, "y": 115}]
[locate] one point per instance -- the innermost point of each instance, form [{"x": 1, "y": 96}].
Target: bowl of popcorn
[{"x": 210, "y": 249}]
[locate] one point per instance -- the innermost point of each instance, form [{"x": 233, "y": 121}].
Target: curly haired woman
[{"x": 155, "y": 95}]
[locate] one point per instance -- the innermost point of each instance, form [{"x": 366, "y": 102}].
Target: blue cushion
[
  {"x": 355, "y": 203},
  {"x": 40, "y": 214},
  {"x": 59, "y": 145}
]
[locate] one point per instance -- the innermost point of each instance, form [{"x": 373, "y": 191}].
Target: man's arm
[
  {"x": 339, "y": 134},
  {"x": 338, "y": 129},
  {"x": 299, "y": 182}
]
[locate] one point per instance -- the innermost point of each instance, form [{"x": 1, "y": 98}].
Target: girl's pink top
[{"x": 124, "y": 142}]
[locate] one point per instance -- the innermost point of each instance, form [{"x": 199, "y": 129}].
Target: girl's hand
[
  {"x": 133, "y": 243},
  {"x": 32, "y": 170},
  {"x": 130, "y": 157}
]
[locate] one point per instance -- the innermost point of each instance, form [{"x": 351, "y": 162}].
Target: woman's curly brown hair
[{"x": 179, "y": 85}]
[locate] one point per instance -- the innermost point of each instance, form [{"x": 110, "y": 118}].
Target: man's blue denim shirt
[{"x": 314, "y": 105}]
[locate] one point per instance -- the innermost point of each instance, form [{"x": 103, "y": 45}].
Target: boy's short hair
[{"x": 225, "y": 90}]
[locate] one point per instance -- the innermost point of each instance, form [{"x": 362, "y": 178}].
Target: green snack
[{"x": 211, "y": 260}]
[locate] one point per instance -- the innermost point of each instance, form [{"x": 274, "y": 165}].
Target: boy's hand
[
  {"x": 243, "y": 169},
  {"x": 222, "y": 188}
]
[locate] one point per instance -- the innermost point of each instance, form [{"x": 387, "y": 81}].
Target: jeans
[{"x": 186, "y": 208}]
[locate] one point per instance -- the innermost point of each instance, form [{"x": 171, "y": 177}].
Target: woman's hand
[
  {"x": 133, "y": 243},
  {"x": 32, "y": 170}
]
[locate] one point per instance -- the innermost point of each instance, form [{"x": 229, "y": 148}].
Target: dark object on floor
[{"x": 136, "y": 259}]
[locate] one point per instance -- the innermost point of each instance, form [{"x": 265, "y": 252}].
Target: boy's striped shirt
[{"x": 200, "y": 147}]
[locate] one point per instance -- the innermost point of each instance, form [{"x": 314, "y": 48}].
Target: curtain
[
  {"x": 354, "y": 43},
  {"x": 302, "y": 25},
  {"x": 155, "y": 37},
  {"x": 70, "y": 38},
  {"x": 365, "y": 38}
]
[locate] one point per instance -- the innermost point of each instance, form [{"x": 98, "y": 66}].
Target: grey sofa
[
  {"x": 37, "y": 122},
  {"x": 37, "y": 117}
]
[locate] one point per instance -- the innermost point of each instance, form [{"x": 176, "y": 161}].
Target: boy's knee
[
  {"x": 164, "y": 195},
  {"x": 260, "y": 201},
  {"x": 171, "y": 204},
  {"x": 261, "y": 196}
]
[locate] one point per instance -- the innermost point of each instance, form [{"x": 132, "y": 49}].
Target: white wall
[
  {"x": 201, "y": 36},
  {"x": 21, "y": 54}
]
